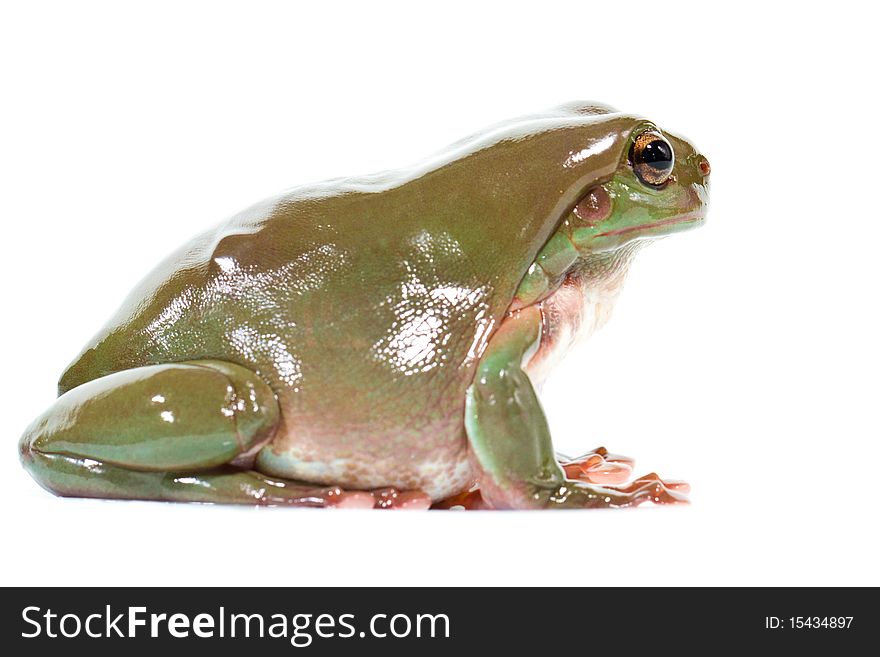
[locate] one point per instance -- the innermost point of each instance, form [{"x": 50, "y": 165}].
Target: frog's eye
[{"x": 652, "y": 158}]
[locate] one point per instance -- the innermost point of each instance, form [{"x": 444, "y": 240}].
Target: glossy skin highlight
[{"x": 374, "y": 341}]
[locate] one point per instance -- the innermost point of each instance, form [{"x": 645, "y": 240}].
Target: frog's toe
[
  {"x": 407, "y": 500},
  {"x": 678, "y": 485},
  {"x": 598, "y": 467},
  {"x": 651, "y": 488}
]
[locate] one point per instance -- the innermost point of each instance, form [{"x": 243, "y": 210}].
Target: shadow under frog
[{"x": 378, "y": 341}]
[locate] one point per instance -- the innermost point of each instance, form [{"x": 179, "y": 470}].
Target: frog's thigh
[
  {"x": 178, "y": 416},
  {"x": 163, "y": 432}
]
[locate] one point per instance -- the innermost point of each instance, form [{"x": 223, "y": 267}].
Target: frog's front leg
[
  {"x": 176, "y": 432},
  {"x": 510, "y": 439}
]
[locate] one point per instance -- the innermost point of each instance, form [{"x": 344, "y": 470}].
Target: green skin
[{"x": 370, "y": 333}]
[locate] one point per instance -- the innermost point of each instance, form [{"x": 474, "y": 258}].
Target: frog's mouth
[{"x": 693, "y": 217}]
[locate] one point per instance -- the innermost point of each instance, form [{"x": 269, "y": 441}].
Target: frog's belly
[
  {"x": 571, "y": 314},
  {"x": 434, "y": 458}
]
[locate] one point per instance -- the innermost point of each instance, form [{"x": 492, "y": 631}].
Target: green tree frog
[{"x": 378, "y": 341}]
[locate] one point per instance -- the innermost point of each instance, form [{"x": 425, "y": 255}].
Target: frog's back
[{"x": 363, "y": 303}]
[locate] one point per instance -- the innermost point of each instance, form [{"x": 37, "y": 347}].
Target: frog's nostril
[{"x": 705, "y": 169}]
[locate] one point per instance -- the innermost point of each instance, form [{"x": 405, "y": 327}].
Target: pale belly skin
[{"x": 582, "y": 305}]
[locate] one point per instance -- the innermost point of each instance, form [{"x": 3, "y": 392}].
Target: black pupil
[{"x": 658, "y": 154}]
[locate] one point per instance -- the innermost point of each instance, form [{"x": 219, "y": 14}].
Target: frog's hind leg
[{"x": 174, "y": 432}]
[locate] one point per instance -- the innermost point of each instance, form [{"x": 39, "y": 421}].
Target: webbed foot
[
  {"x": 610, "y": 471},
  {"x": 598, "y": 467}
]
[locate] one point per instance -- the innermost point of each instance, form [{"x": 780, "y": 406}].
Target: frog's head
[{"x": 661, "y": 186}]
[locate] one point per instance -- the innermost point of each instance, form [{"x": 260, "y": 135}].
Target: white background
[{"x": 743, "y": 356}]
